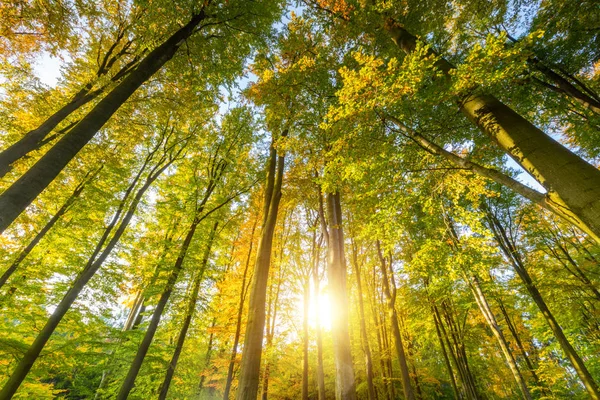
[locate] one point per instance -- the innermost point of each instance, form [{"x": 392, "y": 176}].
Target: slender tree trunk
[
  {"x": 571, "y": 182},
  {"x": 319, "y": 330},
  {"x": 208, "y": 356},
  {"x": 238, "y": 326},
  {"x": 95, "y": 262},
  {"x": 510, "y": 251},
  {"x": 345, "y": 387},
  {"x": 305, "y": 339},
  {"x": 251, "y": 356},
  {"x": 395, "y": 325},
  {"x": 437, "y": 323},
  {"x": 363, "y": 328},
  {"x": 189, "y": 314},
  {"x": 564, "y": 87},
  {"x": 493, "y": 324},
  {"x": 40, "y": 235},
  {"x": 20, "y": 194},
  {"x": 513, "y": 330}
]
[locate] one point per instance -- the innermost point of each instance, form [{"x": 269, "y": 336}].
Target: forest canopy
[{"x": 302, "y": 199}]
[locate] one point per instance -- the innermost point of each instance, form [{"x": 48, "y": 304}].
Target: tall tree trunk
[
  {"x": 437, "y": 322},
  {"x": 240, "y": 312},
  {"x": 510, "y": 251},
  {"x": 318, "y": 328},
  {"x": 345, "y": 387},
  {"x": 251, "y": 355},
  {"x": 571, "y": 182},
  {"x": 305, "y": 339},
  {"x": 391, "y": 303},
  {"x": 493, "y": 324},
  {"x": 513, "y": 330},
  {"x": 94, "y": 263},
  {"x": 189, "y": 314},
  {"x": 199, "y": 216},
  {"x": 40, "y": 235},
  {"x": 21, "y": 193},
  {"x": 207, "y": 358},
  {"x": 363, "y": 327}
]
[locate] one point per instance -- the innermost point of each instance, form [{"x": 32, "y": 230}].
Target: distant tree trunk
[
  {"x": 238, "y": 326},
  {"x": 511, "y": 252},
  {"x": 457, "y": 394},
  {"x": 318, "y": 328},
  {"x": 305, "y": 339},
  {"x": 189, "y": 314},
  {"x": 209, "y": 349},
  {"x": 571, "y": 181},
  {"x": 94, "y": 263},
  {"x": 391, "y": 302},
  {"x": 21, "y": 193},
  {"x": 457, "y": 350},
  {"x": 251, "y": 355},
  {"x": 345, "y": 386},
  {"x": 363, "y": 327},
  {"x": 513, "y": 330},
  {"x": 40, "y": 235},
  {"x": 199, "y": 216},
  {"x": 495, "y": 328}
]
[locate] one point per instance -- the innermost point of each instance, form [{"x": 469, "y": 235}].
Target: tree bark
[
  {"x": 251, "y": 356},
  {"x": 189, "y": 314},
  {"x": 572, "y": 183},
  {"x": 445, "y": 354},
  {"x": 40, "y": 235},
  {"x": 391, "y": 303},
  {"x": 20, "y": 194}
]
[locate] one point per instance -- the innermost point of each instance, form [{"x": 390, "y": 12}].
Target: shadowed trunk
[
  {"x": 252, "y": 353},
  {"x": 21, "y": 193}
]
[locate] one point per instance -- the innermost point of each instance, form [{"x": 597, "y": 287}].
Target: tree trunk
[
  {"x": 571, "y": 182},
  {"x": 40, "y": 235},
  {"x": 209, "y": 349},
  {"x": 94, "y": 263},
  {"x": 319, "y": 330},
  {"x": 345, "y": 387},
  {"x": 511, "y": 253},
  {"x": 445, "y": 354},
  {"x": 391, "y": 303},
  {"x": 305, "y": 339},
  {"x": 493, "y": 324},
  {"x": 189, "y": 314},
  {"x": 238, "y": 325},
  {"x": 251, "y": 356},
  {"x": 21, "y": 193},
  {"x": 363, "y": 328}
]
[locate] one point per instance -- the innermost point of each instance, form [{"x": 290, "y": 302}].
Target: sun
[{"x": 319, "y": 310}]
